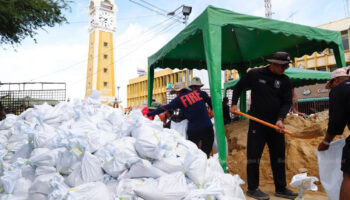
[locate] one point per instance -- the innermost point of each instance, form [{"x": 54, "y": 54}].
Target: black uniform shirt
[
  {"x": 339, "y": 108},
  {"x": 271, "y": 94}
]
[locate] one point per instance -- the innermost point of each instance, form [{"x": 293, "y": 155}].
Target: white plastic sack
[
  {"x": 170, "y": 164},
  {"x": 143, "y": 169},
  {"x": 44, "y": 170},
  {"x": 90, "y": 191},
  {"x": 329, "y": 163},
  {"x": 118, "y": 156},
  {"x": 180, "y": 127},
  {"x": 167, "y": 187},
  {"x": 125, "y": 188},
  {"x": 196, "y": 166},
  {"x": 303, "y": 183},
  {"x": 67, "y": 159},
  {"x": 47, "y": 158},
  {"x": 22, "y": 187},
  {"x": 9, "y": 180},
  {"x": 41, "y": 185},
  {"x": 88, "y": 171},
  {"x": 59, "y": 190}
]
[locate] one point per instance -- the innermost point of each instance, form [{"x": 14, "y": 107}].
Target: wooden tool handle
[{"x": 260, "y": 121}]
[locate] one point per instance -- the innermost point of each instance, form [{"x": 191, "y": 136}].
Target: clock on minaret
[{"x": 100, "y": 70}]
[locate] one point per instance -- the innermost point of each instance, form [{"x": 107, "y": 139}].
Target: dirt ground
[{"x": 300, "y": 152}]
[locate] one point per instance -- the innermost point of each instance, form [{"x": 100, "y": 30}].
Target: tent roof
[
  {"x": 299, "y": 77},
  {"x": 246, "y": 41}
]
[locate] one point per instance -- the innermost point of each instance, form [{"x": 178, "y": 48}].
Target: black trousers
[
  {"x": 258, "y": 135},
  {"x": 206, "y": 135}
]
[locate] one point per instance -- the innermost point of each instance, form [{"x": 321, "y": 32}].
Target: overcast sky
[{"x": 61, "y": 53}]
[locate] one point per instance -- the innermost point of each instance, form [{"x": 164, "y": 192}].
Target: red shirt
[{"x": 145, "y": 111}]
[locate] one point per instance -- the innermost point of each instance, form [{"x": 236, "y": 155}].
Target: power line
[
  {"x": 82, "y": 61},
  {"x": 154, "y": 6},
  {"x": 156, "y": 11},
  {"x": 167, "y": 28}
]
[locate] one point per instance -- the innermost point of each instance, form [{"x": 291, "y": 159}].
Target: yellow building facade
[
  {"x": 100, "y": 69},
  {"x": 325, "y": 61},
  {"x": 137, "y": 87}
]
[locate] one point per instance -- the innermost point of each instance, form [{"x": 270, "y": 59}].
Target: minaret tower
[{"x": 100, "y": 69}]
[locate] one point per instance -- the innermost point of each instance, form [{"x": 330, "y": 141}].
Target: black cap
[{"x": 280, "y": 57}]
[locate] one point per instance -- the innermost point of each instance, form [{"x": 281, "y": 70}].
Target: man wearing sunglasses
[
  {"x": 271, "y": 99},
  {"x": 339, "y": 117}
]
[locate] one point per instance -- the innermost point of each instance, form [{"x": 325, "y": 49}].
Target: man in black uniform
[
  {"x": 271, "y": 99},
  {"x": 339, "y": 117}
]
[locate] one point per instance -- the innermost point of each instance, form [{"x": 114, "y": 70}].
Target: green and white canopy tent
[
  {"x": 220, "y": 39},
  {"x": 298, "y": 77}
]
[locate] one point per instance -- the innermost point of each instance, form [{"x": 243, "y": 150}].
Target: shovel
[
  {"x": 296, "y": 135},
  {"x": 260, "y": 121}
]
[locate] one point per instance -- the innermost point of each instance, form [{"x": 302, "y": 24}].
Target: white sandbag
[
  {"x": 75, "y": 177},
  {"x": 9, "y": 179},
  {"x": 6, "y": 133},
  {"x": 118, "y": 156},
  {"x": 41, "y": 184},
  {"x": 48, "y": 158},
  {"x": 22, "y": 187},
  {"x": 143, "y": 169},
  {"x": 8, "y": 122},
  {"x": 125, "y": 188},
  {"x": 180, "y": 127},
  {"x": 303, "y": 182},
  {"x": 329, "y": 163},
  {"x": 90, "y": 168},
  {"x": 88, "y": 171},
  {"x": 37, "y": 196},
  {"x": 167, "y": 187},
  {"x": 90, "y": 191},
  {"x": 170, "y": 164},
  {"x": 196, "y": 166},
  {"x": 149, "y": 145},
  {"x": 41, "y": 139},
  {"x": 28, "y": 171},
  {"x": 185, "y": 146},
  {"x": 23, "y": 152},
  {"x": 67, "y": 159},
  {"x": 59, "y": 190},
  {"x": 209, "y": 192},
  {"x": 41, "y": 170}
]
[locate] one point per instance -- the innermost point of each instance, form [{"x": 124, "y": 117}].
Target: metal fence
[
  {"x": 17, "y": 97},
  {"x": 313, "y": 106}
]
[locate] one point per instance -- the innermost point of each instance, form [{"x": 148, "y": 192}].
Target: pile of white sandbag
[{"x": 83, "y": 150}]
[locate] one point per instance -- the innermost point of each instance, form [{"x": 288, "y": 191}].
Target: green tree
[{"x": 22, "y": 18}]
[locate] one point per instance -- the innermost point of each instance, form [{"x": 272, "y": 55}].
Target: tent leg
[
  {"x": 243, "y": 98},
  {"x": 150, "y": 85},
  {"x": 339, "y": 56},
  {"x": 212, "y": 46}
]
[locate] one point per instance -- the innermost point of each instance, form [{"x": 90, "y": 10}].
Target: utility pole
[{"x": 268, "y": 11}]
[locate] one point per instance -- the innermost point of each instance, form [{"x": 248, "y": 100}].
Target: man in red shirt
[{"x": 145, "y": 110}]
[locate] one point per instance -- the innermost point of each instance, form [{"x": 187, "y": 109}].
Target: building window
[
  {"x": 333, "y": 68},
  {"x": 105, "y": 56},
  {"x": 322, "y": 69},
  {"x": 105, "y": 70},
  {"x": 105, "y": 44},
  {"x": 345, "y": 40},
  {"x": 105, "y": 84}
]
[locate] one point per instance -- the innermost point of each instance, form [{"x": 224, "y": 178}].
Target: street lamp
[{"x": 186, "y": 11}]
